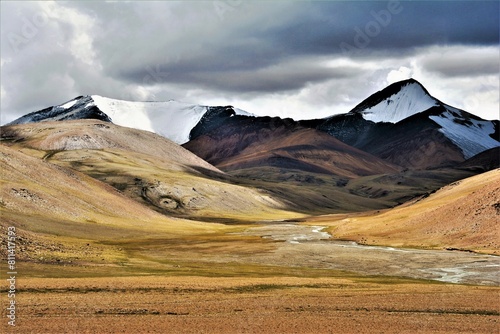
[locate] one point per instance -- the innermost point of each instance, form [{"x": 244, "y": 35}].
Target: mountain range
[
  {"x": 402, "y": 124},
  {"x": 398, "y": 144},
  {"x": 172, "y": 119}
]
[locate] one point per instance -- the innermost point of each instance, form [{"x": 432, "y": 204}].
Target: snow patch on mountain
[
  {"x": 172, "y": 119},
  {"x": 410, "y": 100},
  {"x": 471, "y": 136},
  {"x": 68, "y": 104},
  {"x": 71, "y": 109},
  {"x": 81, "y": 107},
  {"x": 242, "y": 112}
]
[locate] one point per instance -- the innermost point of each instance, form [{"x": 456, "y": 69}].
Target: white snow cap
[
  {"x": 410, "y": 100},
  {"x": 173, "y": 120}
]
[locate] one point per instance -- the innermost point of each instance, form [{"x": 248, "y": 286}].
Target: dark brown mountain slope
[
  {"x": 414, "y": 142},
  {"x": 244, "y": 142},
  {"x": 484, "y": 161}
]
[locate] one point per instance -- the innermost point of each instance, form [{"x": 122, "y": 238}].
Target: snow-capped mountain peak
[
  {"x": 406, "y": 104},
  {"x": 171, "y": 119},
  {"x": 396, "y": 102},
  {"x": 81, "y": 107}
]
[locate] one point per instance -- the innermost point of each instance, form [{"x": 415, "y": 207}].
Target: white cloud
[
  {"x": 81, "y": 31},
  {"x": 403, "y": 73}
]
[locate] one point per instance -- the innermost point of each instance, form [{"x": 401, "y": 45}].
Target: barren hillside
[
  {"x": 246, "y": 143},
  {"x": 145, "y": 167},
  {"x": 462, "y": 215}
]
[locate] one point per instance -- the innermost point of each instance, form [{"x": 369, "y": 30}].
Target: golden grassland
[
  {"x": 463, "y": 215},
  {"x": 193, "y": 304},
  {"x": 142, "y": 166},
  {"x": 111, "y": 282},
  {"x": 118, "y": 280}
]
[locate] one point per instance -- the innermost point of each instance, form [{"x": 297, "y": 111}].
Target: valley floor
[
  {"x": 111, "y": 265},
  {"x": 159, "y": 304},
  {"x": 269, "y": 278}
]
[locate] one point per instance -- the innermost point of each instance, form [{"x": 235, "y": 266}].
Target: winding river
[{"x": 310, "y": 246}]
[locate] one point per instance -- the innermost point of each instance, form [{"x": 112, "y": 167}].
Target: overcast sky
[{"x": 299, "y": 59}]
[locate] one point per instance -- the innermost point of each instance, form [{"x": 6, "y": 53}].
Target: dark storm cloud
[
  {"x": 240, "y": 77},
  {"x": 53, "y": 51},
  {"x": 466, "y": 63},
  {"x": 234, "y": 47},
  {"x": 387, "y": 25}
]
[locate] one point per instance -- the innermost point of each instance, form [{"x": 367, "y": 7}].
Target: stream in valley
[{"x": 310, "y": 246}]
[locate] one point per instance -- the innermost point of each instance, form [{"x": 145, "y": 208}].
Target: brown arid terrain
[
  {"x": 122, "y": 231},
  {"x": 285, "y": 146},
  {"x": 463, "y": 215},
  {"x": 143, "y": 166},
  {"x": 415, "y": 142},
  {"x": 171, "y": 180},
  {"x": 152, "y": 304},
  {"x": 487, "y": 160}
]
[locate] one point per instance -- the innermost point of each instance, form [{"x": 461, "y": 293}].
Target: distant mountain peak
[
  {"x": 171, "y": 119},
  {"x": 406, "y": 82},
  {"x": 396, "y": 102},
  {"x": 81, "y": 107}
]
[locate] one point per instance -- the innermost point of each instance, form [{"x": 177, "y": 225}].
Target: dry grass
[
  {"x": 257, "y": 305},
  {"x": 142, "y": 166},
  {"x": 320, "y": 194},
  {"x": 463, "y": 215}
]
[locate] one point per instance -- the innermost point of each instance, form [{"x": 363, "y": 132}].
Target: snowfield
[
  {"x": 410, "y": 100},
  {"x": 173, "y": 120},
  {"x": 471, "y": 139}
]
